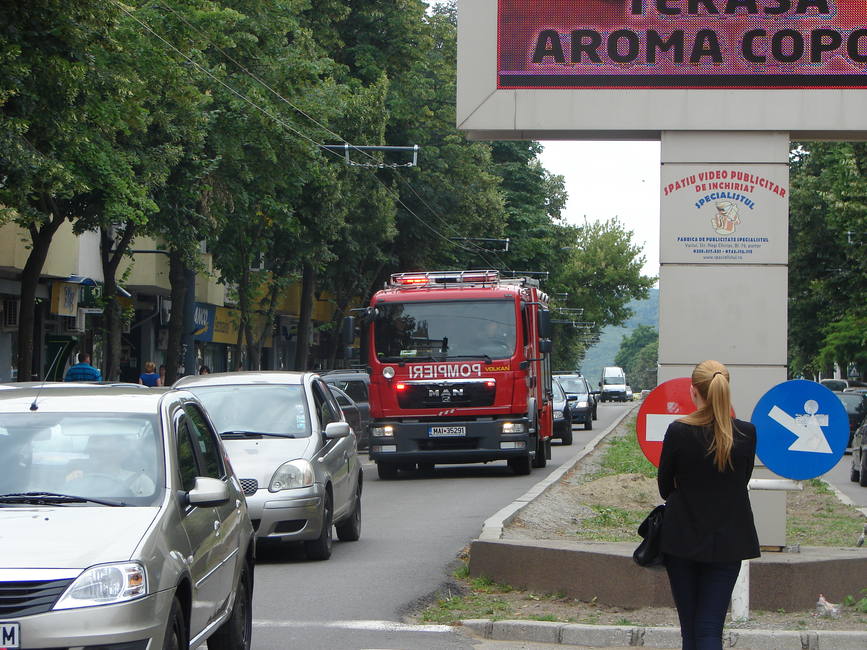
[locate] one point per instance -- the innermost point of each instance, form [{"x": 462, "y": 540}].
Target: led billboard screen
[{"x": 682, "y": 44}]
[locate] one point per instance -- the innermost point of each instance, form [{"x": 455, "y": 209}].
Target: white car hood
[
  {"x": 70, "y": 537},
  {"x": 259, "y": 458}
]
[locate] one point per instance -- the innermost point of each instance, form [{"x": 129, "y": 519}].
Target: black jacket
[{"x": 707, "y": 514}]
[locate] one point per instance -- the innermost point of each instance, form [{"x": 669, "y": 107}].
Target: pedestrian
[
  {"x": 150, "y": 376},
  {"x": 706, "y": 462},
  {"x": 83, "y": 371},
  {"x": 204, "y": 370}
]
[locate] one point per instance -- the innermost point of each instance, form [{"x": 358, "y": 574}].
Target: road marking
[{"x": 375, "y": 626}]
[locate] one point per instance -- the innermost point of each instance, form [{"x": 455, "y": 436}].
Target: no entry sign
[{"x": 665, "y": 404}]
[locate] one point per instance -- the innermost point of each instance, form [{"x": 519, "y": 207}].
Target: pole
[{"x": 741, "y": 594}]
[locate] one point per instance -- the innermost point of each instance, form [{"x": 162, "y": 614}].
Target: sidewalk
[{"x": 617, "y": 636}]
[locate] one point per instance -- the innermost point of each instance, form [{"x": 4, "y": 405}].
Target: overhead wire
[{"x": 478, "y": 250}]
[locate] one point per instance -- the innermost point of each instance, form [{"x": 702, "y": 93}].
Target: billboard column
[{"x": 723, "y": 283}]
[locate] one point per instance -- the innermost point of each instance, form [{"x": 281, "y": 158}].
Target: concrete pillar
[{"x": 723, "y": 284}]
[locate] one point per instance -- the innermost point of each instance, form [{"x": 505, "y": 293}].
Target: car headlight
[
  {"x": 583, "y": 405},
  {"x": 294, "y": 474},
  {"x": 558, "y": 415},
  {"x": 105, "y": 584},
  {"x": 384, "y": 430},
  {"x": 514, "y": 427}
]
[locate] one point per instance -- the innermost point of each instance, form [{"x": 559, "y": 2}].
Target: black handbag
[{"x": 648, "y": 553}]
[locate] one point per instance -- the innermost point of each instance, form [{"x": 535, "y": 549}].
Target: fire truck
[{"x": 459, "y": 371}]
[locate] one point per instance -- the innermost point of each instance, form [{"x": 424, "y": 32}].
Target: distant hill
[{"x": 645, "y": 312}]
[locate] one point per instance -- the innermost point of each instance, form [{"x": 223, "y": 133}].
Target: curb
[
  {"x": 492, "y": 529},
  {"x": 607, "y": 636}
]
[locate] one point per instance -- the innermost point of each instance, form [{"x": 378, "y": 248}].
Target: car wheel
[
  {"x": 237, "y": 630},
  {"x": 588, "y": 423},
  {"x": 349, "y": 530},
  {"x": 520, "y": 466},
  {"x": 595, "y": 417},
  {"x": 862, "y": 480},
  {"x": 320, "y": 548},
  {"x": 176, "y": 628},
  {"x": 854, "y": 473},
  {"x": 386, "y": 470},
  {"x": 566, "y": 438}
]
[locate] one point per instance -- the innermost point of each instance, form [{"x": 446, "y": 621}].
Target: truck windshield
[{"x": 445, "y": 330}]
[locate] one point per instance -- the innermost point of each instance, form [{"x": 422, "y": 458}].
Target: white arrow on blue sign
[{"x": 801, "y": 429}]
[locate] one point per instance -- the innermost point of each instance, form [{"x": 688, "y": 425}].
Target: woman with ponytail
[{"x": 706, "y": 463}]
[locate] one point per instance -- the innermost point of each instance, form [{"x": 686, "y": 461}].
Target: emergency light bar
[{"x": 424, "y": 278}]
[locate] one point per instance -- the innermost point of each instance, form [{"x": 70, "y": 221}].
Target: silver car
[
  {"x": 293, "y": 451},
  {"x": 124, "y": 526}
]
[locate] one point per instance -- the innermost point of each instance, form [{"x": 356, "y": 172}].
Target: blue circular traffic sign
[{"x": 801, "y": 429}]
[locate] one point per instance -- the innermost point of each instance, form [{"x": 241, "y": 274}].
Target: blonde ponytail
[{"x": 711, "y": 380}]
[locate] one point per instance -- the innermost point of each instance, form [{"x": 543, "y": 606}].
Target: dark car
[
  {"x": 859, "y": 456},
  {"x": 583, "y": 407},
  {"x": 350, "y": 412},
  {"x": 356, "y": 384},
  {"x": 562, "y": 414},
  {"x": 856, "y": 409}
]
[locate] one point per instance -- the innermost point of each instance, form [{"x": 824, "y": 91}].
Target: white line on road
[{"x": 376, "y": 626}]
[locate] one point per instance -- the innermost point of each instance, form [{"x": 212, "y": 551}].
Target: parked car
[
  {"x": 293, "y": 451},
  {"x": 562, "y": 414},
  {"x": 583, "y": 407},
  {"x": 856, "y": 409},
  {"x": 130, "y": 528},
  {"x": 349, "y": 408},
  {"x": 835, "y": 384},
  {"x": 859, "y": 456},
  {"x": 629, "y": 395},
  {"x": 356, "y": 384}
]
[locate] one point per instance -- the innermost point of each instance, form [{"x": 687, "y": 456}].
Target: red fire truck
[{"x": 459, "y": 371}]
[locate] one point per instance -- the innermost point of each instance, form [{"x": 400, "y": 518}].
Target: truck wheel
[
  {"x": 386, "y": 471},
  {"x": 541, "y": 458},
  {"x": 521, "y": 466},
  {"x": 566, "y": 438}
]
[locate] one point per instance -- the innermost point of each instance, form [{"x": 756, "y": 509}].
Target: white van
[{"x": 612, "y": 386}]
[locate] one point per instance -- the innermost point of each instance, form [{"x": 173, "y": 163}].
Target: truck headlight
[
  {"x": 384, "y": 430},
  {"x": 514, "y": 427},
  {"x": 105, "y": 584},
  {"x": 294, "y": 474}
]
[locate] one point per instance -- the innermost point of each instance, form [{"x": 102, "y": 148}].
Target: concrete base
[{"x": 606, "y": 572}]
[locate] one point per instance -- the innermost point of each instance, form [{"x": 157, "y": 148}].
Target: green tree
[{"x": 638, "y": 356}]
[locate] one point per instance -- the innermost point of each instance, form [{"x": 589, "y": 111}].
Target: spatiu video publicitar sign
[{"x": 681, "y": 44}]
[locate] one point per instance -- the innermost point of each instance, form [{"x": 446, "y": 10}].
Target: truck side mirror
[
  {"x": 544, "y": 324},
  {"x": 545, "y": 346}
]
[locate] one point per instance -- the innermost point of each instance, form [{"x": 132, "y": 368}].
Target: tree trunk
[
  {"x": 111, "y": 253},
  {"x": 41, "y": 241},
  {"x": 305, "y": 316},
  {"x": 176, "y": 322}
]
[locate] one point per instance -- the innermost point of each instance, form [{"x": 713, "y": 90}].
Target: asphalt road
[
  {"x": 413, "y": 529},
  {"x": 839, "y": 478}
]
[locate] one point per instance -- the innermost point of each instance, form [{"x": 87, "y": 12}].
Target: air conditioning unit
[{"x": 11, "y": 307}]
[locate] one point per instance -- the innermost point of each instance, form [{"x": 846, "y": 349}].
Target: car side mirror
[
  {"x": 208, "y": 492},
  {"x": 571, "y": 398},
  {"x": 335, "y": 430}
]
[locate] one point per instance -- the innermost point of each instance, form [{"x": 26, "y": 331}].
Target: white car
[{"x": 293, "y": 451}]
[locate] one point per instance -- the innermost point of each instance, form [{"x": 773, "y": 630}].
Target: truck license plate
[
  {"x": 446, "y": 432},
  {"x": 10, "y": 635}
]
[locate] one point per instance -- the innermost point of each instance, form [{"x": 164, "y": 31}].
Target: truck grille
[
  {"x": 432, "y": 394},
  {"x": 438, "y": 444},
  {"x": 31, "y": 597}
]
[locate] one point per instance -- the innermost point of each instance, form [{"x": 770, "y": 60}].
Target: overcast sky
[{"x": 612, "y": 179}]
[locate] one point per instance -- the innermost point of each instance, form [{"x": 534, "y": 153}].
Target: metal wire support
[
  {"x": 504, "y": 242},
  {"x": 346, "y": 148}
]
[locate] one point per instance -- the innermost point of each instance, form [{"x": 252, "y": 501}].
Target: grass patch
[
  {"x": 815, "y": 517},
  {"x": 624, "y": 456},
  {"x": 447, "y": 611}
]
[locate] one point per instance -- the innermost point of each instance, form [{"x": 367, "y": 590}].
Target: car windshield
[
  {"x": 574, "y": 385},
  {"x": 49, "y": 458},
  {"x": 355, "y": 388},
  {"x": 613, "y": 380},
  {"x": 853, "y": 402},
  {"x": 559, "y": 396},
  {"x": 445, "y": 330},
  {"x": 266, "y": 409}
]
